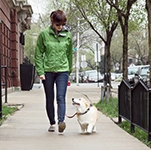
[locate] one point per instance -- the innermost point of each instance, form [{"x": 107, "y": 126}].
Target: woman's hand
[{"x": 42, "y": 77}]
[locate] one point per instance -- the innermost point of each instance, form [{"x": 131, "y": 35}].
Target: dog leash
[
  {"x": 71, "y": 116},
  {"x": 80, "y": 113}
]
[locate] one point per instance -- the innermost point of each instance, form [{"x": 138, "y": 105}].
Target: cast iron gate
[{"x": 135, "y": 105}]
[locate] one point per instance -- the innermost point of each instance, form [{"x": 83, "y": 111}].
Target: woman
[{"x": 53, "y": 62}]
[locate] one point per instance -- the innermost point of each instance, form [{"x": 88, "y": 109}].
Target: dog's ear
[{"x": 86, "y": 104}]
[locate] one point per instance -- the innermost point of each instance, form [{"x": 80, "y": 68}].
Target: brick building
[{"x": 15, "y": 17}]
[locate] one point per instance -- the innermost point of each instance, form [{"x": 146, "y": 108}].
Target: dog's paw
[
  {"x": 82, "y": 132},
  {"x": 89, "y": 132}
]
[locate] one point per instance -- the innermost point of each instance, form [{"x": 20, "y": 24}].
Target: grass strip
[
  {"x": 7, "y": 111},
  {"x": 110, "y": 109}
]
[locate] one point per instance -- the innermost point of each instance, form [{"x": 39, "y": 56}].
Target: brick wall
[
  {"x": 5, "y": 42},
  {"x": 12, "y": 51}
]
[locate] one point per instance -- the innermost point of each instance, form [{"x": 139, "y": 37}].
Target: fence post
[
  {"x": 149, "y": 115},
  {"x": 5, "y": 84},
  {"x": 119, "y": 117},
  {"x": 132, "y": 128},
  {"x": 107, "y": 94}
]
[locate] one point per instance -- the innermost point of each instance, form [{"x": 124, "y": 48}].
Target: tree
[
  {"x": 101, "y": 17},
  {"x": 148, "y": 6},
  {"x": 123, "y": 12},
  {"x": 138, "y": 47},
  {"x": 116, "y": 50},
  {"x": 30, "y": 41}
]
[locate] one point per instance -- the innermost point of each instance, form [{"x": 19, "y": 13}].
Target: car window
[
  {"x": 90, "y": 71},
  {"x": 132, "y": 71},
  {"x": 144, "y": 70},
  {"x": 94, "y": 74}
]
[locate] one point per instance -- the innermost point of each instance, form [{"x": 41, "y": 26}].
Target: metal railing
[
  {"x": 5, "y": 85},
  {"x": 5, "y": 81},
  {"x": 134, "y": 105}
]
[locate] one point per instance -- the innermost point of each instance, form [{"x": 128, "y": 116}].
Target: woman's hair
[{"x": 58, "y": 16}]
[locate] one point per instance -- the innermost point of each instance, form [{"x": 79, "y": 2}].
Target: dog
[{"x": 87, "y": 115}]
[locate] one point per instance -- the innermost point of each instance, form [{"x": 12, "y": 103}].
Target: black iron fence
[
  {"x": 3, "y": 84},
  {"x": 135, "y": 105}
]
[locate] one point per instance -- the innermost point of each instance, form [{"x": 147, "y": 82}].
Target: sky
[{"x": 38, "y": 7}]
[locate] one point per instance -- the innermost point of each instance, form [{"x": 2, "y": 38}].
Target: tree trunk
[
  {"x": 123, "y": 19},
  {"x": 125, "y": 49},
  {"x": 107, "y": 78},
  {"x": 148, "y": 6},
  {"x": 108, "y": 62}
]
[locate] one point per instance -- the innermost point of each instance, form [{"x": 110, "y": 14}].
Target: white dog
[{"x": 87, "y": 115}]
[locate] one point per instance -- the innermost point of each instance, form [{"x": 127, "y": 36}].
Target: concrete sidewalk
[{"x": 27, "y": 128}]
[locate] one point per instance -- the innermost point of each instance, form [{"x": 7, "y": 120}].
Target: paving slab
[{"x": 27, "y": 128}]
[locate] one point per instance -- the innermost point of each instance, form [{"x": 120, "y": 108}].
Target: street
[{"x": 114, "y": 84}]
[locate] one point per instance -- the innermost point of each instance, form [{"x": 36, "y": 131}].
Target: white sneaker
[{"x": 51, "y": 128}]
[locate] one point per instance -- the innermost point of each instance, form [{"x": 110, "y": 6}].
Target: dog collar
[{"x": 85, "y": 111}]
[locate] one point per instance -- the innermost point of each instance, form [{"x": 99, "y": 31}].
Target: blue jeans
[{"x": 61, "y": 80}]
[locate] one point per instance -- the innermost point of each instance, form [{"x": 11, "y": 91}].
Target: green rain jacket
[{"x": 53, "y": 51}]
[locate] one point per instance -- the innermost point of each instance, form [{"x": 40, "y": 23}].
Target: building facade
[{"x": 15, "y": 18}]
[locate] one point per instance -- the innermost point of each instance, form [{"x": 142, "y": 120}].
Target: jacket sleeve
[
  {"x": 39, "y": 53},
  {"x": 70, "y": 54}
]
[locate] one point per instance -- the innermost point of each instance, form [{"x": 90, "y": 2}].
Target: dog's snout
[{"x": 72, "y": 99}]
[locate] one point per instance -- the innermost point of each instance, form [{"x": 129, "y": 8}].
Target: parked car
[
  {"x": 95, "y": 77},
  {"x": 132, "y": 71},
  {"x": 144, "y": 73},
  {"x": 72, "y": 77},
  {"x": 114, "y": 76},
  {"x": 86, "y": 75}
]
